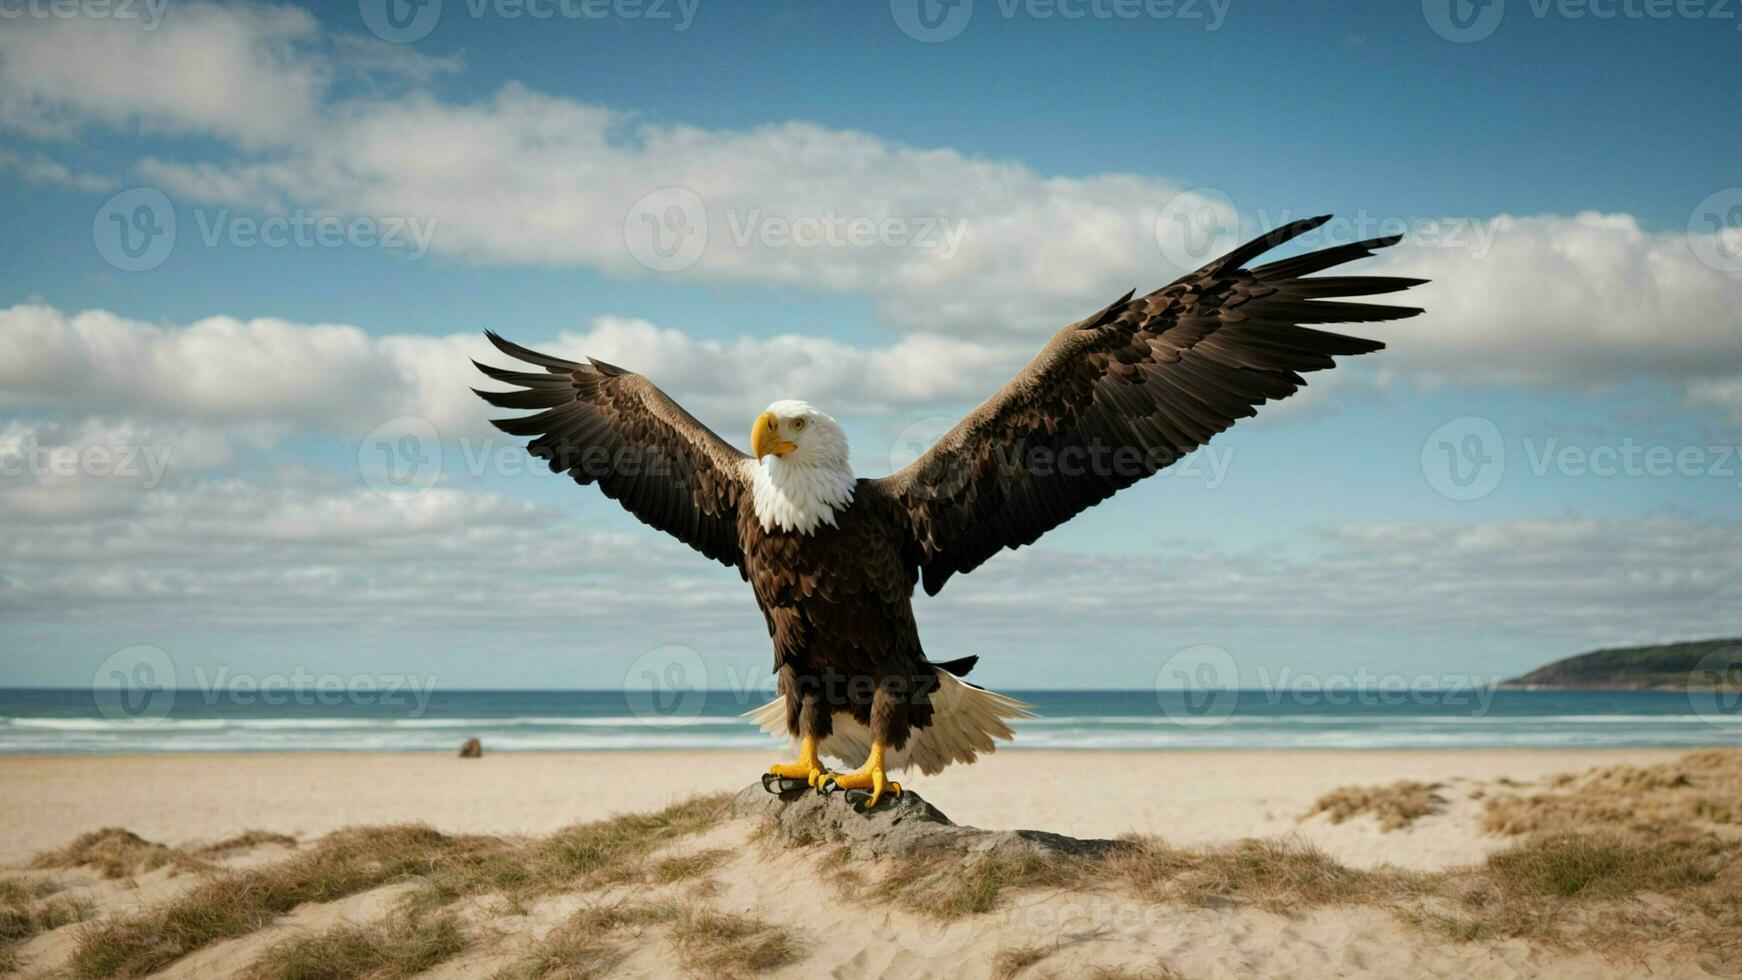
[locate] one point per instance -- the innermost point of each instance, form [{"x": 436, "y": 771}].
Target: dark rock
[
  {"x": 473, "y": 749},
  {"x": 903, "y": 827}
]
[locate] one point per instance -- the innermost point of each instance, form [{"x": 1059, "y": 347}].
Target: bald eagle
[{"x": 834, "y": 558}]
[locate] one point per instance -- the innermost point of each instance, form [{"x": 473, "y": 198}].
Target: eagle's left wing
[
  {"x": 1127, "y": 391},
  {"x": 613, "y": 427}
]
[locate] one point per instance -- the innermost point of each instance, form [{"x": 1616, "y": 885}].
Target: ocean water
[{"x": 44, "y": 722}]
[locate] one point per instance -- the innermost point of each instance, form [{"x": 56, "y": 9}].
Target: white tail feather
[{"x": 965, "y": 720}]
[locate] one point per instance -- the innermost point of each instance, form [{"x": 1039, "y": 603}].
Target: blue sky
[{"x": 1558, "y": 176}]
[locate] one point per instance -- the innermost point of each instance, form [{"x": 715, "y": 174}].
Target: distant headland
[{"x": 1667, "y": 666}]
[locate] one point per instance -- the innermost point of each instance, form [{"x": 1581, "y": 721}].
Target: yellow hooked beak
[{"x": 765, "y": 437}]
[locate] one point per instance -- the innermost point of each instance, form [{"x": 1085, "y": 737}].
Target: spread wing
[
  {"x": 1116, "y": 397},
  {"x": 612, "y": 427}
]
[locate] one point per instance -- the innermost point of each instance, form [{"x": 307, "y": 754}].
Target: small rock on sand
[{"x": 473, "y": 749}]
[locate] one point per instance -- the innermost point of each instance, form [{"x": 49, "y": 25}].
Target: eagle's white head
[{"x": 801, "y": 476}]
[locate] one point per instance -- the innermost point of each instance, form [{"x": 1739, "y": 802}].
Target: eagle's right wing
[
  {"x": 612, "y": 427},
  {"x": 1123, "y": 393}
]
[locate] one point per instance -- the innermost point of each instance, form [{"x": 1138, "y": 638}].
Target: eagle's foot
[
  {"x": 807, "y": 771},
  {"x": 865, "y": 787},
  {"x": 867, "y": 777}
]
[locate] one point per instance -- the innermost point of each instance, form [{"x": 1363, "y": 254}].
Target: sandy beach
[
  {"x": 1255, "y": 883},
  {"x": 1186, "y": 797}
]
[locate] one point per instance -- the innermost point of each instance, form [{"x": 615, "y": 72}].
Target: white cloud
[
  {"x": 36, "y": 168},
  {"x": 269, "y": 376},
  {"x": 230, "y": 70},
  {"x": 1582, "y": 301},
  {"x": 949, "y": 243},
  {"x": 297, "y": 551},
  {"x": 256, "y": 74},
  {"x": 1579, "y": 581},
  {"x": 527, "y": 178}
]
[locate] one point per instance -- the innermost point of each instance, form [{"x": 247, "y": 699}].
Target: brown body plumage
[{"x": 1111, "y": 399}]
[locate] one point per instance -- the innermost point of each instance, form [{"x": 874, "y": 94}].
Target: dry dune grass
[
  {"x": 233, "y": 903},
  {"x": 595, "y": 940},
  {"x": 1579, "y": 877},
  {"x": 245, "y": 841},
  {"x": 1395, "y": 806},
  {"x": 114, "y": 853},
  {"x": 1666, "y": 881},
  {"x": 1701, "y": 791},
  {"x": 29, "y": 908},
  {"x": 402, "y": 945},
  {"x": 1281, "y": 874}
]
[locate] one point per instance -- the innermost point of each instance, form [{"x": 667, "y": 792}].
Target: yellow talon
[
  {"x": 869, "y": 776},
  {"x": 807, "y": 768}
]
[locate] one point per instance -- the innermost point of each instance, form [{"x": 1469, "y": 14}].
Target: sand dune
[{"x": 1472, "y": 879}]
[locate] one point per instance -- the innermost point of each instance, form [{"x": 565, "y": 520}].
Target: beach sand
[{"x": 1185, "y": 798}]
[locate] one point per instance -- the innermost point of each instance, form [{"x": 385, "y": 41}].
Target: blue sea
[{"x": 59, "y": 722}]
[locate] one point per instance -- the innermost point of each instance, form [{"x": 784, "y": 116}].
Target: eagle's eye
[{"x": 797, "y": 424}]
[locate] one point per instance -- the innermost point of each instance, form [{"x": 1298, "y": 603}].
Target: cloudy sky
[{"x": 249, "y": 249}]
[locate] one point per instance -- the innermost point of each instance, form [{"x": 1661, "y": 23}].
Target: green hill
[{"x": 1668, "y": 666}]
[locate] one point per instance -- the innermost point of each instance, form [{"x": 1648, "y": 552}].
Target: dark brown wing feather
[
  {"x": 1125, "y": 392},
  {"x": 609, "y": 426}
]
